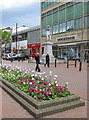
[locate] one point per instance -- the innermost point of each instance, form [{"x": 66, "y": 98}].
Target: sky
[{"x": 22, "y": 12}]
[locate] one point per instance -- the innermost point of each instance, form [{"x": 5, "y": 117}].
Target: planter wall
[{"x": 40, "y": 109}]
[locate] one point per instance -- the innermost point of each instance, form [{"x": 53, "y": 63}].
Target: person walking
[
  {"x": 11, "y": 57},
  {"x": 37, "y": 58},
  {"x": 47, "y": 60},
  {"x": 88, "y": 58}
]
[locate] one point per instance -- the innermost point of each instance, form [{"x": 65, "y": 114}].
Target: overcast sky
[{"x": 23, "y": 12}]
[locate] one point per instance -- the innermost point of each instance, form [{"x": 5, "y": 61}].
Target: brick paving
[{"x": 77, "y": 84}]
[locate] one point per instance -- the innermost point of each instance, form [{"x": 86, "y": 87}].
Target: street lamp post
[{"x": 16, "y": 38}]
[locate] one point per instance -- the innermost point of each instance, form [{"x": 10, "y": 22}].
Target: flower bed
[{"x": 37, "y": 87}]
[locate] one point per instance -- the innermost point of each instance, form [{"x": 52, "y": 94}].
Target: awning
[{"x": 69, "y": 44}]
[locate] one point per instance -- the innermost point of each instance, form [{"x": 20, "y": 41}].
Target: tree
[{"x": 6, "y": 37}]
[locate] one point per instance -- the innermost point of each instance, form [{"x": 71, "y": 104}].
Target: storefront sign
[
  {"x": 20, "y": 45},
  {"x": 66, "y": 38}
]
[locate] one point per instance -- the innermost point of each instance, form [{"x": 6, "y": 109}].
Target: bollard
[
  {"x": 75, "y": 62},
  {"x": 80, "y": 66},
  {"x": 55, "y": 62},
  {"x": 67, "y": 63}
]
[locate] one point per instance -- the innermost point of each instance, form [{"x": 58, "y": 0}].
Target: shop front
[
  {"x": 69, "y": 50},
  {"x": 33, "y": 49}
]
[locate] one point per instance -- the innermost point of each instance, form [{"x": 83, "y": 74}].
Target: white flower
[
  {"x": 33, "y": 71},
  {"x": 35, "y": 75},
  {"x": 30, "y": 83},
  {"x": 55, "y": 81},
  {"x": 32, "y": 78},
  {"x": 54, "y": 78},
  {"x": 45, "y": 76},
  {"x": 49, "y": 84},
  {"x": 55, "y": 75},
  {"x": 38, "y": 81},
  {"x": 56, "y": 84},
  {"x": 50, "y": 72},
  {"x": 42, "y": 78},
  {"x": 23, "y": 82},
  {"x": 66, "y": 83}
]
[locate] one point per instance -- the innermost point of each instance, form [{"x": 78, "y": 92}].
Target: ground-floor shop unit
[{"x": 70, "y": 50}]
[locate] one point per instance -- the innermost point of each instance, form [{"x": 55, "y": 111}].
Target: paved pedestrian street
[{"x": 77, "y": 84}]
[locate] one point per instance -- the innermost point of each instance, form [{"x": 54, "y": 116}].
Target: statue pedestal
[{"x": 48, "y": 49}]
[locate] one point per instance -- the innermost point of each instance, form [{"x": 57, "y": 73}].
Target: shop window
[
  {"x": 87, "y": 22},
  {"x": 44, "y": 32},
  {"x": 55, "y": 17},
  {"x": 62, "y": 27},
  {"x": 79, "y": 24},
  {"x": 70, "y": 25},
  {"x": 69, "y": 13},
  {"x": 62, "y": 15},
  {"x": 55, "y": 29}
]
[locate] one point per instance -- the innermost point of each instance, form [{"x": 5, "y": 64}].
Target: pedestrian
[
  {"x": 88, "y": 58},
  {"x": 11, "y": 57},
  {"x": 47, "y": 60},
  {"x": 22, "y": 56},
  {"x": 37, "y": 58}
]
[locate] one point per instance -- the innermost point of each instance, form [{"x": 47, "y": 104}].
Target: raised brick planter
[{"x": 40, "y": 109}]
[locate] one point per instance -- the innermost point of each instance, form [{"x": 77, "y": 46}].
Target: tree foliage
[{"x": 6, "y": 37}]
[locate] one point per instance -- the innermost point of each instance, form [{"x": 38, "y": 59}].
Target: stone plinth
[{"x": 48, "y": 49}]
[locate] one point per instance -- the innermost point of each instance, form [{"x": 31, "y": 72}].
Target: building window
[
  {"x": 44, "y": 22},
  {"x": 79, "y": 24},
  {"x": 56, "y": 9},
  {"x": 49, "y": 12},
  {"x": 50, "y": 30},
  {"x": 43, "y": 31},
  {"x": 43, "y": 14},
  {"x": 70, "y": 25},
  {"x": 69, "y": 3},
  {"x": 87, "y": 22},
  {"x": 62, "y": 6},
  {"x": 55, "y": 17},
  {"x": 69, "y": 13},
  {"x": 49, "y": 19},
  {"x": 49, "y": 3},
  {"x": 43, "y": 5},
  {"x": 62, "y": 15},
  {"x": 86, "y": 8},
  {"x": 62, "y": 27},
  {"x": 54, "y": 2},
  {"x": 55, "y": 29},
  {"x": 79, "y": 9}
]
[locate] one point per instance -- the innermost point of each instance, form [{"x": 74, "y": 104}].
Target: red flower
[{"x": 47, "y": 94}]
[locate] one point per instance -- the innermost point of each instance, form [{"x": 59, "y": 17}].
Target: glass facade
[
  {"x": 70, "y": 25},
  {"x": 55, "y": 29},
  {"x": 62, "y": 27},
  {"x": 79, "y": 24},
  {"x": 65, "y": 18}
]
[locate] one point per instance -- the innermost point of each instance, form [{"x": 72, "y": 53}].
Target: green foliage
[{"x": 5, "y": 37}]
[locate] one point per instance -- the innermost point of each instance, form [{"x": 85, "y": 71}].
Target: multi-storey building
[
  {"x": 33, "y": 41},
  {"x": 28, "y": 40},
  {"x": 69, "y": 26}
]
